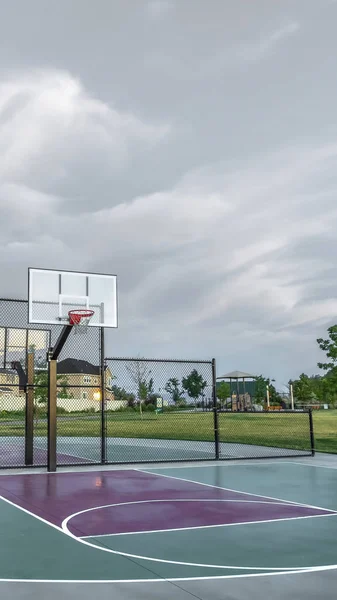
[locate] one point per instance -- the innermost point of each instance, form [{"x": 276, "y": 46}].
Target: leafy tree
[
  {"x": 151, "y": 400},
  {"x": 302, "y": 388},
  {"x": 172, "y": 387},
  {"x": 41, "y": 387},
  {"x": 329, "y": 346},
  {"x": 194, "y": 384},
  {"x": 41, "y": 390},
  {"x": 223, "y": 391},
  {"x": 274, "y": 396},
  {"x": 139, "y": 373},
  {"x": 121, "y": 395},
  {"x": 260, "y": 388}
]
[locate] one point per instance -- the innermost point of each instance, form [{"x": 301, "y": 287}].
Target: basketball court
[{"x": 206, "y": 531}]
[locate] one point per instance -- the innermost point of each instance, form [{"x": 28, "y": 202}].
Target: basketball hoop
[{"x": 80, "y": 319}]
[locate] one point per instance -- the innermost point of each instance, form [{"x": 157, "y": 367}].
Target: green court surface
[{"x": 185, "y": 561}]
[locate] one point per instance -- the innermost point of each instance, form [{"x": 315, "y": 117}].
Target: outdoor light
[{"x": 97, "y": 395}]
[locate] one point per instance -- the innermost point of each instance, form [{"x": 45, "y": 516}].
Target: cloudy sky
[{"x": 191, "y": 148}]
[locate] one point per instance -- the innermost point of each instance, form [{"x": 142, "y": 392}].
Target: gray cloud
[{"x": 211, "y": 196}]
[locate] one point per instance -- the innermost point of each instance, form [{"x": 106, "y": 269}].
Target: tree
[
  {"x": 39, "y": 361},
  {"x": 274, "y": 396},
  {"x": 121, "y": 395},
  {"x": 41, "y": 387},
  {"x": 172, "y": 388},
  {"x": 302, "y": 388},
  {"x": 223, "y": 391},
  {"x": 41, "y": 390},
  {"x": 139, "y": 373},
  {"x": 260, "y": 388},
  {"x": 194, "y": 384},
  {"x": 329, "y": 346}
]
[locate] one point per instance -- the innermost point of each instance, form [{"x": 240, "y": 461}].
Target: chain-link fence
[
  {"x": 24, "y": 392},
  {"x": 79, "y": 400},
  {"x": 266, "y": 434},
  {"x": 161, "y": 410},
  {"x": 154, "y": 410},
  {"x": 123, "y": 410}
]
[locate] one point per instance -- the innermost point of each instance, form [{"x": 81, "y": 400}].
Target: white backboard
[{"x": 51, "y": 294}]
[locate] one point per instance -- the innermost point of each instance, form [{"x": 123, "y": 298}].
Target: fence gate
[{"x": 158, "y": 410}]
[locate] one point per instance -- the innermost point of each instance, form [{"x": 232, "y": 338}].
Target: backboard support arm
[{"x": 56, "y": 350}]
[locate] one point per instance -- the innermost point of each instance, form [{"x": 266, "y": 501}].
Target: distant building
[
  {"x": 84, "y": 381},
  {"x": 12, "y": 396},
  {"x": 82, "y": 389}
]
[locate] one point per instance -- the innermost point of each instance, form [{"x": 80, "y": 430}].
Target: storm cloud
[{"x": 191, "y": 151}]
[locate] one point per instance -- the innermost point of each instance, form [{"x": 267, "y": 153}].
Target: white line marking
[
  {"x": 159, "y": 580},
  {"x": 168, "y": 579},
  {"x": 88, "y": 537},
  {"x": 292, "y": 571},
  {"x": 25, "y": 510},
  {"x": 285, "y": 462},
  {"x": 160, "y": 560},
  {"x": 238, "y": 491},
  {"x": 141, "y": 557},
  {"x": 237, "y": 501}
]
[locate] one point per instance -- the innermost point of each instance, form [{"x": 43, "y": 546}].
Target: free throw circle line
[{"x": 166, "y": 561}]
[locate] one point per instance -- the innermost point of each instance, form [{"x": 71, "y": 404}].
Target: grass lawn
[
  {"x": 273, "y": 429},
  {"x": 325, "y": 428}
]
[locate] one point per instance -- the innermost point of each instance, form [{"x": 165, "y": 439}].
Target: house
[
  {"x": 84, "y": 381},
  {"x": 8, "y": 377},
  {"x": 12, "y": 396},
  {"x": 79, "y": 390}
]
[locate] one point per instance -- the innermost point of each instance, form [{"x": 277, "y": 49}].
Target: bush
[
  {"x": 149, "y": 408},
  {"x": 122, "y": 409},
  {"x": 60, "y": 410}
]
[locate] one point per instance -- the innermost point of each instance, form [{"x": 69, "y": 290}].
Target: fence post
[
  {"x": 52, "y": 401},
  {"x": 29, "y": 422},
  {"x": 312, "y": 436},
  {"x": 103, "y": 402},
  {"x": 215, "y": 410}
]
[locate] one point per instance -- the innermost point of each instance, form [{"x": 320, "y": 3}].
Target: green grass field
[{"x": 274, "y": 429}]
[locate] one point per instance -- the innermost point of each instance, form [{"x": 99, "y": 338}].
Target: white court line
[
  {"x": 84, "y": 537},
  {"x": 302, "y": 464},
  {"x": 293, "y": 571},
  {"x": 169, "y": 579},
  {"x": 66, "y": 531},
  {"x": 278, "y": 571},
  {"x": 28, "y": 512},
  {"x": 166, "y": 561},
  {"x": 238, "y": 491}
]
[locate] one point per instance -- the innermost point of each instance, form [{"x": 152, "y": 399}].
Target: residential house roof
[{"x": 72, "y": 366}]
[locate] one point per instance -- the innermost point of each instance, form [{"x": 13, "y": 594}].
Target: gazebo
[{"x": 237, "y": 376}]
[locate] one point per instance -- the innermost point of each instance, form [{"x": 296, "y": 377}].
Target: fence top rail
[
  {"x": 159, "y": 360},
  {"x": 13, "y": 300}
]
